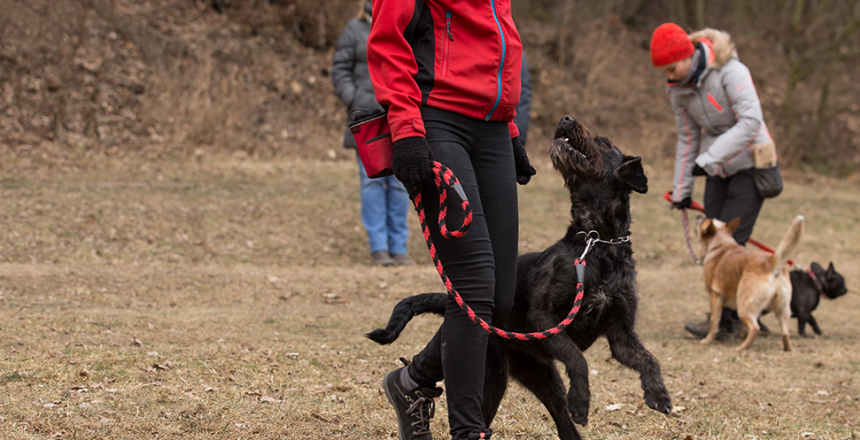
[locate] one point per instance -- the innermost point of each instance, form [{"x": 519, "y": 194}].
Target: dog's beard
[{"x": 575, "y": 154}]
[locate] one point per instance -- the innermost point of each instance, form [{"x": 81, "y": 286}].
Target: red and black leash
[{"x": 445, "y": 179}]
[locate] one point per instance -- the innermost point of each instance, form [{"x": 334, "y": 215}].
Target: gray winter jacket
[
  {"x": 719, "y": 117},
  {"x": 349, "y": 72}
]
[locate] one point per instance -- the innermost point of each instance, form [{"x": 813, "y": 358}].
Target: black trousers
[
  {"x": 725, "y": 199},
  {"x": 482, "y": 264}
]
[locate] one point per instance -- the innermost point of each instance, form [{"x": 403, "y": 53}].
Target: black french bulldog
[{"x": 808, "y": 286}]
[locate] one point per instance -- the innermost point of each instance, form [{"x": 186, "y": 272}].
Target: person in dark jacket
[
  {"x": 385, "y": 203},
  {"x": 449, "y": 73},
  {"x": 720, "y": 124},
  {"x": 524, "y": 108}
]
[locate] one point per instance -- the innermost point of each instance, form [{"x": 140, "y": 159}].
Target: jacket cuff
[
  {"x": 711, "y": 168},
  {"x": 515, "y": 131},
  {"x": 406, "y": 129}
]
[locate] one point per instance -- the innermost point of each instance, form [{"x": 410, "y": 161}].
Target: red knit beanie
[{"x": 670, "y": 43}]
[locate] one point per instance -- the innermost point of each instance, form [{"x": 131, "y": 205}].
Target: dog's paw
[
  {"x": 580, "y": 419},
  {"x": 578, "y": 409},
  {"x": 659, "y": 401}
]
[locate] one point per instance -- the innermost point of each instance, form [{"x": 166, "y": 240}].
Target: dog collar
[
  {"x": 592, "y": 237},
  {"x": 815, "y": 281}
]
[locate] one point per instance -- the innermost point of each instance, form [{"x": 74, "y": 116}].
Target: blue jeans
[{"x": 385, "y": 206}]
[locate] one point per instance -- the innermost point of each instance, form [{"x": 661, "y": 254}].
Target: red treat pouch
[{"x": 373, "y": 138}]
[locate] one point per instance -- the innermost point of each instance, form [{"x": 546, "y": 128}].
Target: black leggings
[
  {"x": 725, "y": 199},
  {"x": 482, "y": 264},
  {"x": 734, "y": 196}
]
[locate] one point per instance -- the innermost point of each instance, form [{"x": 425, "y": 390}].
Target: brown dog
[{"x": 746, "y": 280}]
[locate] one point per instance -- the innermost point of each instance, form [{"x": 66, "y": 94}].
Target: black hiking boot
[
  {"x": 414, "y": 407},
  {"x": 701, "y": 330}
]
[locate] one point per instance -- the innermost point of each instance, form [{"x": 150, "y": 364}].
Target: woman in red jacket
[{"x": 449, "y": 73}]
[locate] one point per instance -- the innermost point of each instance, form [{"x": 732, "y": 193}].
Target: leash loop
[
  {"x": 445, "y": 179},
  {"x": 686, "y": 222}
]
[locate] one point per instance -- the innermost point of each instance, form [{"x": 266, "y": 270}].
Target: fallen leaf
[
  {"x": 364, "y": 378},
  {"x": 136, "y": 342},
  {"x": 614, "y": 407},
  {"x": 267, "y": 399},
  {"x": 678, "y": 409}
]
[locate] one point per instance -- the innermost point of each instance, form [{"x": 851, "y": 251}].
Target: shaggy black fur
[
  {"x": 600, "y": 179},
  {"x": 806, "y": 294}
]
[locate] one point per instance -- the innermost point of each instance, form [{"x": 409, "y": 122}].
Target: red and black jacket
[{"x": 464, "y": 56}]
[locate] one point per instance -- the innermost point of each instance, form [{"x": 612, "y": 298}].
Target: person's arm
[
  {"x": 343, "y": 65},
  {"x": 393, "y": 67},
  {"x": 525, "y": 105},
  {"x": 689, "y": 140},
  {"x": 739, "y": 87}
]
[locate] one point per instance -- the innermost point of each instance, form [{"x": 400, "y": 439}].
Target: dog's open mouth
[{"x": 566, "y": 141}]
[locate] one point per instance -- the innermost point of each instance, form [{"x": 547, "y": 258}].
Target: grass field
[{"x": 228, "y": 298}]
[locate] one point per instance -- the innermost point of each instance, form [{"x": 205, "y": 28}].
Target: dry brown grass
[{"x": 227, "y": 298}]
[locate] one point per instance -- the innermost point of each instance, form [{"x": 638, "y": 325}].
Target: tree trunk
[
  {"x": 564, "y": 22},
  {"x": 822, "y": 109}
]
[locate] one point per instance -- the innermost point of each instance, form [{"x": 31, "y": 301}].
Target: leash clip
[{"x": 590, "y": 237}]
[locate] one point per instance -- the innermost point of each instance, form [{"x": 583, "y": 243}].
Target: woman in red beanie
[{"x": 719, "y": 120}]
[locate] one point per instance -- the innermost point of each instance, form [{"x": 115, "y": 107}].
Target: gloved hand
[
  {"x": 524, "y": 168},
  {"x": 683, "y": 204},
  {"x": 412, "y": 163},
  {"x": 699, "y": 171}
]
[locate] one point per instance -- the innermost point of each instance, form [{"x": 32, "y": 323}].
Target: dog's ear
[
  {"x": 830, "y": 269},
  {"x": 733, "y": 225},
  {"x": 707, "y": 229},
  {"x": 631, "y": 173}
]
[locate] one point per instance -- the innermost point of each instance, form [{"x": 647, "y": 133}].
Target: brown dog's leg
[
  {"x": 751, "y": 323},
  {"x": 716, "y": 314},
  {"x": 781, "y": 306}
]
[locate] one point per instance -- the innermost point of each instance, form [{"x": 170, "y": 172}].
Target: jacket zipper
[
  {"x": 450, "y": 37},
  {"x": 501, "y": 63}
]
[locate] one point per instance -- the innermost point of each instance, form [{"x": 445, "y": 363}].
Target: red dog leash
[
  {"x": 445, "y": 179},
  {"x": 698, "y": 207}
]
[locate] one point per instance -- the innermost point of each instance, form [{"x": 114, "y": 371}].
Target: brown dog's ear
[
  {"x": 733, "y": 225},
  {"x": 631, "y": 173},
  {"x": 706, "y": 229}
]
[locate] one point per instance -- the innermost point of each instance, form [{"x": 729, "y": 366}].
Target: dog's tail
[
  {"x": 404, "y": 311},
  {"x": 788, "y": 244}
]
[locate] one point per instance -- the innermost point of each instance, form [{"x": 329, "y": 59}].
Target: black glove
[
  {"x": 699, "y": 171},
  {"x": 683, "y": 204},
  {"x": 525, "y": 170},
  {"x": 412, "y": 163}
]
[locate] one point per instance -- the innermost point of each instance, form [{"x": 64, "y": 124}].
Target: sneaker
[
  {"x": 414, "y": 408},
  {"x": 402, "y": 259},
  {"x": 701, "y": 330},
  {"x": 381, "y": 258}
]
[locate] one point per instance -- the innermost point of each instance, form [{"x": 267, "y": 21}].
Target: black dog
[
  {"x": 600, "y": 179},
  {"x": 808, "y": 286}
]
